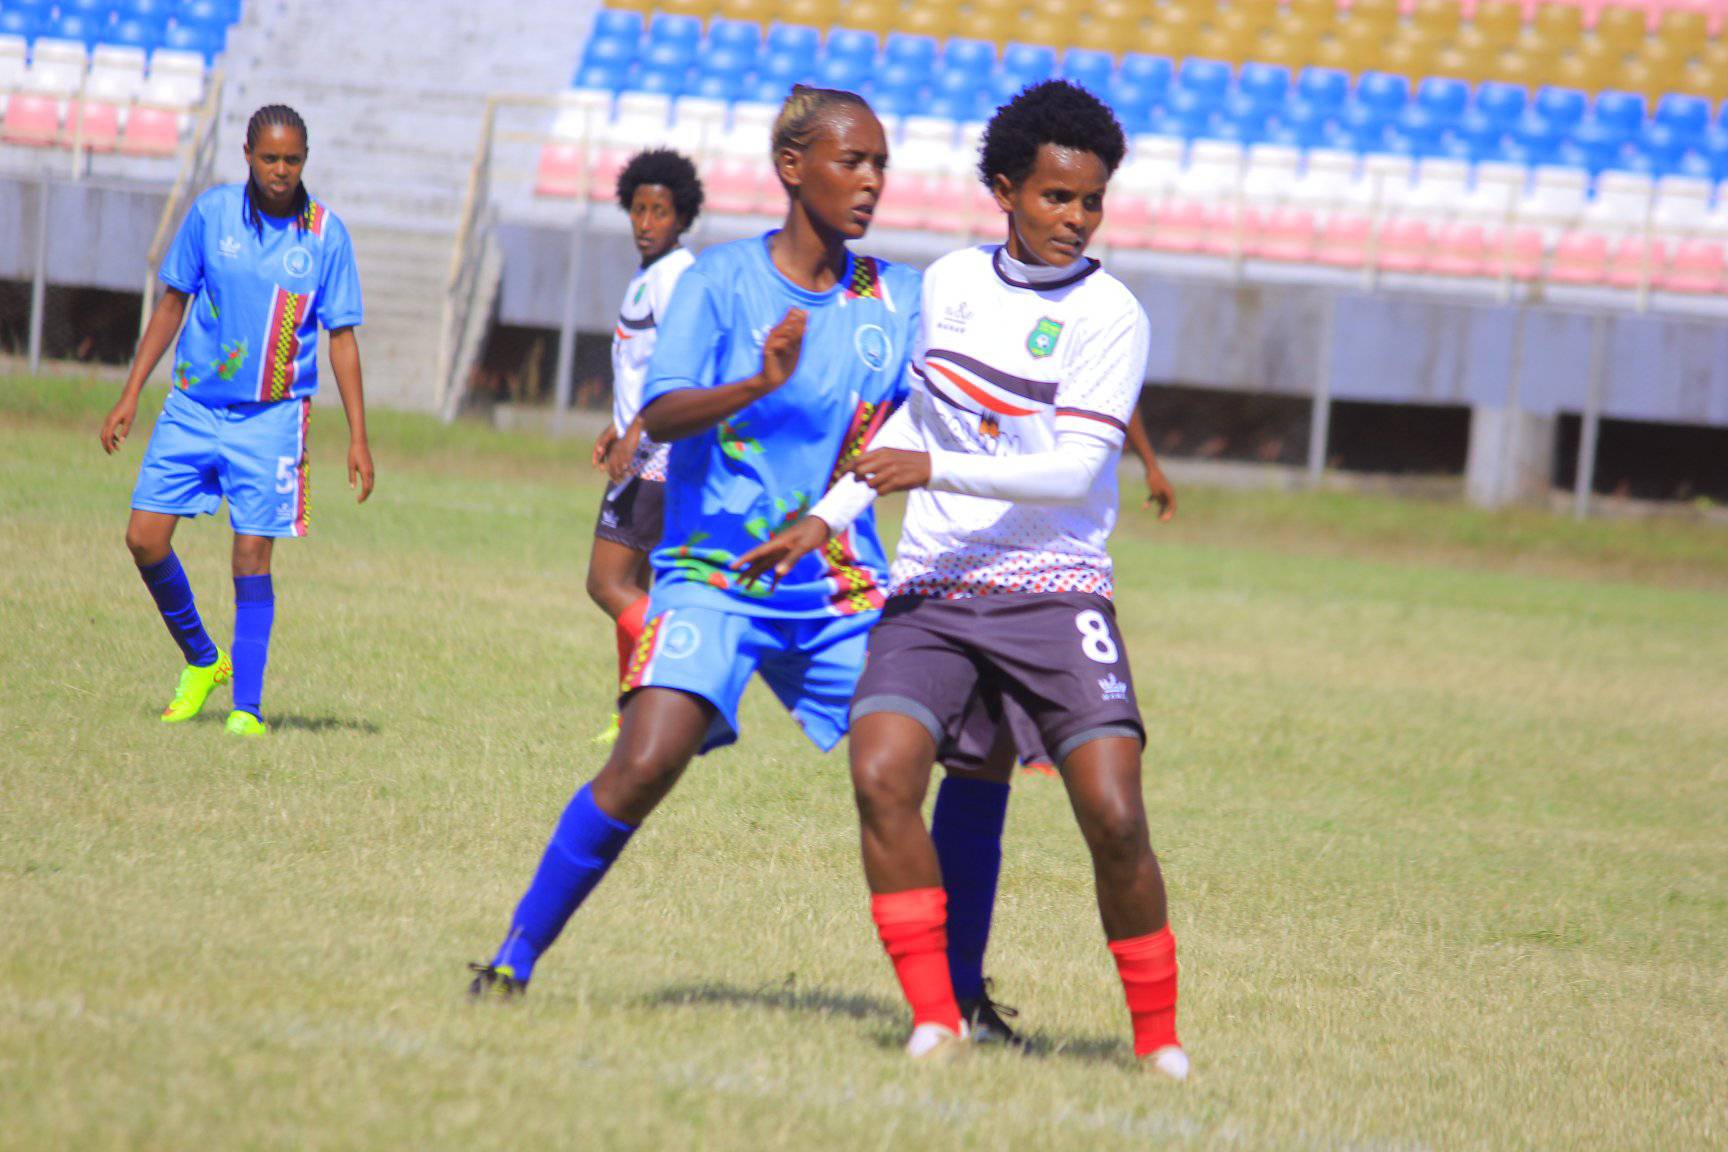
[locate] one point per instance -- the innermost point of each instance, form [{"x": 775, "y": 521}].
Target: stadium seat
[
  {"x": 176, "y": 79},
  {"x": 1091, "y": 70},
  {"x": 1502, "y": 103},
  {"x": 94, "y": 125},
  {"x": 1637, "y": 262},
  {"x": 618, "y": 24},
  {"x": 150, "y": 132},
  {"x": 20, "y": 25},
  {"x": 1343, "y": 241},
  {"x": 1561, "y": 107},
  {"x": 56, "y": 67},
  {"x": 207, "y": 42},
  {"x": 1696, "y": 266},
  {"x": 1285, "y": 234},
  {"x": 852, "y": 44},
  {"x": 116, "y": 74},
  {"x": 1579, "y": 258},
  {"x": 1685, "y": 116},
  {"x": 1179, "y": 226},
  {"x": 1459, "y": 250},
  {"x": 32, "y": 120},
  {"x": 143, "y": 34},
  {"x": 14, "y": 54},
  {"x": 971, "y": 57}
]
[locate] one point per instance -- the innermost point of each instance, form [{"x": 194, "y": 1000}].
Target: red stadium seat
[
  {"x": 32, "y": 120},
  {"x": 1285, "y": 234},
  {"x": 1179, "y": 227},
  {"x": 1697, "y": 266},
  {"x": 151, "y": 132},
  {"x": 1128, "y": 222},
  {"x": 1637, "y": 262},
  {"x": 1460, "y": 250},
  {"x": 603, "y": 174},
  {"x": 1343, "y": 242},
  {"x": 731, "y": 186},
  {"x": 906, "y": 201},
  {"x": 949, "y": 207},
  {"x": 1404, "y": 246},
  {"x": 1228, "y": 230},
  {"x": 100, "y": 128},
  {"x": 1580, "y": 258},
  {"x": 560, "y": 171}
]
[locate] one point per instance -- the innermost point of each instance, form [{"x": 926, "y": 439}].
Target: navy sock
[
  {"x": 173, "y": 595},
  {"x": 967, "y": 828},
  {"x": 254, "y": 612},
  {"x": 582, "y": 848}
]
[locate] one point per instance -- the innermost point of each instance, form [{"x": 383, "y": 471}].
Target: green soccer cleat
[
  {"x": 196, "y": 684},
  {"x": 609, "y": 735},
  {"x": 245, "y": 724}
]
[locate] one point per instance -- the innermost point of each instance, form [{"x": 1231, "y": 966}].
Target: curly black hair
[
  {"x": 1051, "y": 112},
  {"x": 670, "y": 170}
]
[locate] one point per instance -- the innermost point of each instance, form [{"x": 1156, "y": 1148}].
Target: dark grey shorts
[
  {"x": 1050, "y": 665},
  {"x": 632, "y": 513}
]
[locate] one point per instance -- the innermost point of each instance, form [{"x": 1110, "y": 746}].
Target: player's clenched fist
[
  {"x": 118, "y": 424},
  {"x": 892, "y": 469},
  {"x": 781, "y": 350}
]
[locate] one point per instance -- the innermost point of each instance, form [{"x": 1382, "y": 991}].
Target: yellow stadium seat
[
  {"x": 924, "y": 20},
  {"x": 1663, "y": 58},
  {"x": 1637, "y": 76},
  {"x": 1381, "y": 13},
  {"x": 701, "y": 9},
  {"x": 756, "y": 11},
  {"x": 1334, "y": 52},
  {"x": 1560, "y": 24},
  {"x": 998, "y": 27},
  {"x": 1364, "y": 39},
  {"x": 878, "y": 16},
  {"x": 995, "y": 7},
  {"x": 1055, "y": 9},
  {"x": 1412, "y": 58},
  {"x": 1622, "y": 27},
  {"x": 642, "y": 6},
  {"x": 1498, "y": 21},
  {"x": 1515, "y": 68},
  {"x": 1325, "y": 11},
  {"x": 814, "y": 13},
  {"x": 1165, "y": 39},
  {"x": 1437, "y": 17},
  {"x": 1590, "y": 73},
  {"x": 1701, "y": 80},
  {"x": 1058, "y": 33},
  {"x": 1457, "y": 64},
  {"x": 1685, "y": 30},
  {"x": 1260, "y": 12},
  {"x": 1098, "y": 36}
]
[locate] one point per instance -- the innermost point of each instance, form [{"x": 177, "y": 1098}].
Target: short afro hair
[
  {"x": 670, "y": 170},
  {"x": 1052, "y": 112}
]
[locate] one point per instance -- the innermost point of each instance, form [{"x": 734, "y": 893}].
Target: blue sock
[
  {"x": 582, "y": 848},
  {"x": 254, "y": 612},
  {"x": 967, "y": 828},
  {"x": 173, "y": 595}
]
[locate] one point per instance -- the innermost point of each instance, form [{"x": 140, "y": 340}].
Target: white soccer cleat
[
  {"x": 1170, "y": 1062},
  {"x": 936, "y": 1042}
]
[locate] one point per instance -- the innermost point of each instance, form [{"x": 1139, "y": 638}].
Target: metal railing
[{"x": 198, "y": 161}]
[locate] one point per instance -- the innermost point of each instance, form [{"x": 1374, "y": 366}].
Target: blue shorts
[
  {"x": 254, "y": 454},
  {"x": 811, "y": 665}
]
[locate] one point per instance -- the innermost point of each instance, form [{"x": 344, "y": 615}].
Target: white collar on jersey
[{"x": 1018, "y": 274}]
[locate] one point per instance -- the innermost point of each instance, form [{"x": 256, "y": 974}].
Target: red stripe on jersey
[{"x": 978, "y": 395}]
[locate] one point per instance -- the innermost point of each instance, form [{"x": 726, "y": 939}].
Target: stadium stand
[
  {"x": 1587, "y": 142},
  {"x": 107, "y": 75}
]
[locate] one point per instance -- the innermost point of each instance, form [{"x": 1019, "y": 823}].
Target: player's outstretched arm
[
  {"x": 164, "y": 325},
  {"x": 693, "y": 411},
  {"x": 345, "y": 359},
  {"x": 1159, "y": 490}
]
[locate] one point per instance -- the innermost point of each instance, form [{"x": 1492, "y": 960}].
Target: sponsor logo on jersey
[
  {"x": 1041, "y": 342},
  {"x": 955, "y": 318},
  {"x": 297, "y": 261},
  {"x": 873, "y": 347},
  {"x": 682, "y": 640},
  {"x": 228, "y": 248},
  {"x": 1113, "y": 688}
]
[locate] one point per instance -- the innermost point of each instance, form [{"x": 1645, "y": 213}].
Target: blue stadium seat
[
  {"x": 898, "y": 103},
  {"x": 1210, "y": 78},
  {"x": 853, "y": 44},
  {"x": 1030, "y": 62},
  {"x": 71, "y": 26},
  {"x": 731, "y": 62},
  {"x": 1561, "y": 106},
  {"x": 98, "y": 12},
  {"x": 1326, "y": 87},
  {"x": 23, "y": 24},
  {"x": 1503, "y": 103},
  {"x": 1309, "y": 123},
  {"x": 665, "y": 56},
  {"x": 1192, "y": 111},
  {"x": 208, "y": 13},
  {"x": 1443, "y": 97},
  {"x": 897, "y": 78},
  {"x": 675, "y": 28},
  {"x": 1131, "y": 98},
  {"x": 41, "y": 9},
  {"x": 195, "y": 38},
  {"x": 1661, "y": 146},
  {"x": 1713, "y": 146},
  {"x": 615, "y": 23},
  {"x": 1385, "y": 92},
  {"x": 1090, "y": 69},
  {"x": 1620, "y": 112},
  {"x": 1267, "y": 85},
  {"x": 719, "y": 86},
  {"x": 610, "y": 51},
  {"x": 799, "y": 41},
  {"x": 738, "y": 35},
  {"x": 1534, "y": 142},
  {"x": 786, "y": 68},
  {"x": 1243, "y": 118},
  {"x": 848, "y": 75},
  {"x": 1595, "y": 145},
  {"x": 145, "y": 34},
  {"x": 666, "y": 82},
  {"x": 767, "y": 90},
  {"x": 602, "y": 77},
  {"x": 1482, "y": 136},
  {"x": 974, "y": 57},
  {"x": 1005, "y": 85},
  {"x": 1687, "y": 116},
  {"x": 910, "y": 49},
  {"x": 1152, "y": 73},
  {"x": 957, "y": 106}
]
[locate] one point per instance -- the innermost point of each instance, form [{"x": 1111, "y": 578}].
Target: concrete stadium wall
[{"x": 98, "y": 234}]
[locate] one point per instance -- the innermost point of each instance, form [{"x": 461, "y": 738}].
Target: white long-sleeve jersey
[{"x": 645, "y": 301}]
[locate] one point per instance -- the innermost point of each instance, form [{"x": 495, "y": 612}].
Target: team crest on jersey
[
  {"x": 1042, "y": 340},
  {"x": 873, "y": 347},
  {"x": 682, "y": 640},
  {"x": 297, "y": 261}
]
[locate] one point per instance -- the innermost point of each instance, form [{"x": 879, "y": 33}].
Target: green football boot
[
  {"x": 196, "y": 684},
  {"x": 608, "y": 736},
  {"x": 245, "y": 724}
]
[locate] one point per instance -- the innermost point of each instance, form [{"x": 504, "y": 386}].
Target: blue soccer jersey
[
  {"x": 734, "y": 486},
  {"x": 251, "y": 330}
]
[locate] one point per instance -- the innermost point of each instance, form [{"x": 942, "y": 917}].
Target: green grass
[{"x": 1442, "y": 798}]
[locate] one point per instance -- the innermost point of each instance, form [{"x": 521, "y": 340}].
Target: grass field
[{"x": 1442, "y": 798}]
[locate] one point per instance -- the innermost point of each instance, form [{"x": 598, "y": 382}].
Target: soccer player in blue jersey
[
  {"x": 254, "y": 271},
  {"x": 779, "y": 357}
]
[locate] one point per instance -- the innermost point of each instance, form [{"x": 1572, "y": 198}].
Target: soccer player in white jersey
[
  {"x": 1028, "y": 366},
  {"x": 663, "y": 195}
]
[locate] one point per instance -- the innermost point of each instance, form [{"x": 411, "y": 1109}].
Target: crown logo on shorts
[{"x": 1112, "y": 688}]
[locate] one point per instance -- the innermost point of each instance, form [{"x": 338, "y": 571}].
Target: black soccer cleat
[
  {"x": 491, "y": 983},
  {"x": 985, "y": 1019}
]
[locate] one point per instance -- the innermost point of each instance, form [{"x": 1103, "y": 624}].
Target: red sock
[
  {"x": 1147, "y": 965},
  {"x": 631, "y": 621},
  {"x": 914, "y": 929}
]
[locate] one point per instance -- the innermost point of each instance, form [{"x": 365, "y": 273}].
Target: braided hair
[
  {"x": 804, "y": 111},
  {"x": 274, "y": 116}
]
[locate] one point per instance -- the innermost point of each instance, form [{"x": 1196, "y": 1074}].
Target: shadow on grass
[
  {"x": 786, "y": 996},
  {"x": 323, "y": 724}
]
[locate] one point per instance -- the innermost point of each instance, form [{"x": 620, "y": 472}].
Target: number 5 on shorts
[
  {"x": 1096, "y": 640},
  {"x": 285, "y": 476}
]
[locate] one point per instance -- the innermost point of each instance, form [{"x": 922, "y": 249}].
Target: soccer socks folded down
[
  {"x": 582, "y": 848},
  {"x": 631, "y": 622},
  {"x": 254, "y": 613},
  {"x": 967, "y": 829},
  {"x": 173, "y": 595},
  {"x": 1147, "y": 965},
  {"x": 912, "y": 927}
]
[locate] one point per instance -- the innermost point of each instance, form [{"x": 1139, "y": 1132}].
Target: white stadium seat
[{"x": 56, "y": 67}]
